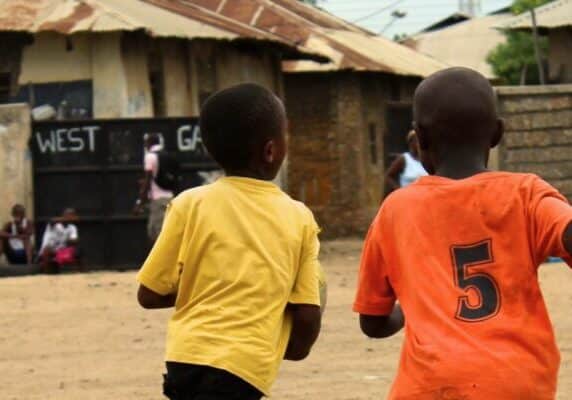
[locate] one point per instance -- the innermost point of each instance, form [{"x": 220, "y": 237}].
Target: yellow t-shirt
[{"x": 235, "y": 252}]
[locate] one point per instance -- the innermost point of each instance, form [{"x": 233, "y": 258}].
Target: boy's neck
[
  {"x": 245, "y": 173},
  {"x": 459, "y": 165}
]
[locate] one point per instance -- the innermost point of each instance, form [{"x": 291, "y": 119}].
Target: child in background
[
  {"x": 16, "y": 237},
  {"x": 460, "y": 251},
  {"x": 238, "y": 259},
  {"x": 60, "y": 242}
]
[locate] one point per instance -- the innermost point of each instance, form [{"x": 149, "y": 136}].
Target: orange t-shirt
[{"x": 461, "y": 256}]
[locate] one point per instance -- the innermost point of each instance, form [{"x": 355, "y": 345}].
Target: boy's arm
[
  {"x": 375, "y": 300},
  {"x": 393, "y": 172},
  {"x": 304, "y": 302},
  {"x": 150, "y": 164},
  {"x": 150, "y": 300},
  {"x": 306, "y": 322},
  {"x": 551, "y": 223},
  {"x": 567, "y": 239},
  {"x": 6, "y": 233},
  {"x": 159, "y": 277},
  {"x": 382, "y": 326}
]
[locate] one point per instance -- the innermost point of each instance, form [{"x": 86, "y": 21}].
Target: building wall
[
  {"x": 56, "y": 58},
  {"x": 116, "y": 63},
  {"x": 15, "y": 162},
  {"x": 336, "y": 163},
  {"x": 560, "y": 55},
  {"x": 538, "y": 136},
  {"x": 216, "y": 65}
]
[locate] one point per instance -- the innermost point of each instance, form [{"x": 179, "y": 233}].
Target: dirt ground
[{"x": 83, "y": 337}]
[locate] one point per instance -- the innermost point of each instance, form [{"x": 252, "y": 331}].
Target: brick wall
[
  {"x": 538, "y": 136},
  {"x": 330, "y": 162}
]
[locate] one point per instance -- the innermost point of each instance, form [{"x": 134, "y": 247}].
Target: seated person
[
  {"x": 16, "y": 237},
  {"x": 60, "y": 242}
]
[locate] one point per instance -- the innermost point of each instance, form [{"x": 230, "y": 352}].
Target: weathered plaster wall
[
  {"x": 56, "y": 58},
  {"x": 15, "y": 161}
]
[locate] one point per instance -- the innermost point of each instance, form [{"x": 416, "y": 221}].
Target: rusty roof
[
  {"x": 556, "y": 14},
  {"x": 348, "y": 46},
  {"x": 74, "y": 16}
]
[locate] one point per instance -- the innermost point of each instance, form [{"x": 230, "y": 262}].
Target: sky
[{"x": 375, "y": 15}]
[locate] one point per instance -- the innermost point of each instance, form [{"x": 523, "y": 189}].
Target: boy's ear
[
  {"x": 499, "y": 132},
  {"x": 269, "y": 151},
  {"x": 422, "y": 137}
]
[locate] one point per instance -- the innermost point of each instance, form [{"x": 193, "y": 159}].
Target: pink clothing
[{"x": 152, "y": 165}]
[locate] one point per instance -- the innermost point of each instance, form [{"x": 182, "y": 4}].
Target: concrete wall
[
  {"x": 216, "y": 65},
  {"x": 109, "y": 83},
  {"x": 15, "y": 161},
  {"x": 538, "y": 136},
  {"x": 331, "y": 167},
  {"x": 56, "y": 58},
  {"x": 175, "y": 64},
  {"x": 560, "y": 55},
  {"x": 118, "y": 65}
]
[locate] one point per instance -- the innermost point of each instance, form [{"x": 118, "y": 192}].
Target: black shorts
[
  {"x": 198, "y": 382},
  {"x": 16, "y": 257}
]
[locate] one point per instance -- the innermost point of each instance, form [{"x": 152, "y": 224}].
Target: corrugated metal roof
[
  {"x": 465, "y": 44},
  {"x": 449, "y": 20},
  {"x": 353, "y": 50},
  {"x": 74, "y": 16},
  {"x": 348, "y": 46},
  {"x": 555, "y": 14}
]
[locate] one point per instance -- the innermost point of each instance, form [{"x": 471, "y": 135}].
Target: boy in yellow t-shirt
[{"x": 238, "y": 259}]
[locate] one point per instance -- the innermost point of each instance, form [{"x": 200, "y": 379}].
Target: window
[{"x": 373, "y": 143}]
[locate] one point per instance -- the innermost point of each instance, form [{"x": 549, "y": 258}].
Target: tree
[
  {"x": 520, "y": 6},
  {"x": 514, "y": 61}
]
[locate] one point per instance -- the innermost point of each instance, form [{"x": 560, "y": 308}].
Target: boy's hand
[
  {"x": 149, "y": 299},
  {"x": 138, "y": 208},
  {"x": 306, "y": 323},
  {"x": 567, "y": 239},
  {"x": 375, "y": 326}
]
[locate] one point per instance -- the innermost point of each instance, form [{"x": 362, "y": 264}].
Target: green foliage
[
  {"x": 520, "y": 6},
  {"x": 509, "y": 59}
]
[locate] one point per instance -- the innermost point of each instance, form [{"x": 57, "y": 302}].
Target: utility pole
[
  {"x": 470, "y": 7},
  {"x": 537, "y": 47}
]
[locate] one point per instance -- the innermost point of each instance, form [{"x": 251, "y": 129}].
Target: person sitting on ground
[
  {"x": 407, "y": 168},
  {"x": 16, "y": 237},
  {"x": 238, "y": 259},
  {"x": 60, "y": 242}
]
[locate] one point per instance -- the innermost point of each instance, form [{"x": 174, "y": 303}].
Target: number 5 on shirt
[{"x": 465, "y": 258}]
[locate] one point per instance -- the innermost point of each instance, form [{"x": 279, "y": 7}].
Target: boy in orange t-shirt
[{"x": 460, "y": 250}]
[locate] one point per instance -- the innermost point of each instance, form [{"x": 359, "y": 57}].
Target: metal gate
[{"x": 94, "y": 166}]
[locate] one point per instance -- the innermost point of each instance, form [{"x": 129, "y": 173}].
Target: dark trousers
[{"x": 198, "y": 382}]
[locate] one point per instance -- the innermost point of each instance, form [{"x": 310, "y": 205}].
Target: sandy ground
[{"x": 83, "y": 337}]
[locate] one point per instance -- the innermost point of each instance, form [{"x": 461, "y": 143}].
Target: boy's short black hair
[
  {"x": 18, "y": 208},
  {"x": 457, "y": 105},
  {"x": 236, "y": 121},
  {"x": 152, "y": 139}
]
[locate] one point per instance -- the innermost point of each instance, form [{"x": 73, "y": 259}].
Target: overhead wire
[{"x": 377, "y": 12}]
